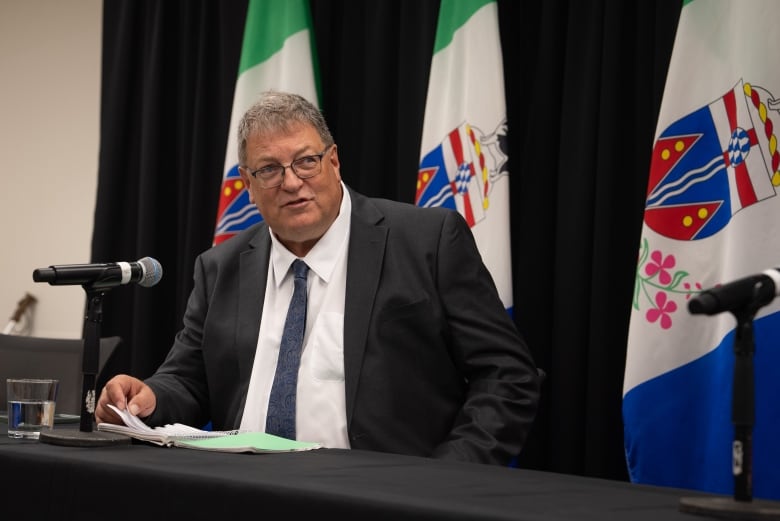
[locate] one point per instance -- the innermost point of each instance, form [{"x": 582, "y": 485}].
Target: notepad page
[{"x": 174, "y": 430}]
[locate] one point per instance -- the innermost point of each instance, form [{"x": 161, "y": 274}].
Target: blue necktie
[{"x": 281, "y": 403}]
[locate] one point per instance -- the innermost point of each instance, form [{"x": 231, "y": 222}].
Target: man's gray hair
[{"x": 278, "y": 111}]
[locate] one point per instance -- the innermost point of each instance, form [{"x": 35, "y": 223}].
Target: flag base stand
[{"x": 730, "y": 508}]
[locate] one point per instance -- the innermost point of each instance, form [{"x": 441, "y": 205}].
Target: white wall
[{"x": 50, "y": 53}]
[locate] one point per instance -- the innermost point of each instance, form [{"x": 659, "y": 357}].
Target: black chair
[{"x": 60, "y": 358}]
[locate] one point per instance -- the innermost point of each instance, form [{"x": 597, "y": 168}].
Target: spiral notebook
[{"x": 185, "y": 436}]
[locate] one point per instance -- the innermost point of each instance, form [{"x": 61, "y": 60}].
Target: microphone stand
[
  {"x": 86, "y": 436},
  {"x": 741, "y": 506}
]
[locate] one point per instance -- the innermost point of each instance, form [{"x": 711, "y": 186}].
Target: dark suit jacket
[{"x": 433, "y": 364}]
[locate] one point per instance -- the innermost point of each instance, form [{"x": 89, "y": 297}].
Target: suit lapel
[
  {"x": 364, "y": 266},
  {"x": 253, "y": 269}
]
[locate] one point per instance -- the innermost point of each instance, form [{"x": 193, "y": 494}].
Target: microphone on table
[
  {"x": 759, "y": 289},
  {"x": 95, "y": 279},
  {"x": 145, "y": 272}
]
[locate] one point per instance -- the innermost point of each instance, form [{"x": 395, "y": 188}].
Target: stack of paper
[{"x": 180, "y": 435}]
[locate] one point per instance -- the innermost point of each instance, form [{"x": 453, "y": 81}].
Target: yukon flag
[
  {"x": 712, "y": 216},
  {"x": 277, "y": 53},
  {"x": 464, "y": 154}
]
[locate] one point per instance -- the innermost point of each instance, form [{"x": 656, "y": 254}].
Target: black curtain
[{"x": 584, "y": 82}]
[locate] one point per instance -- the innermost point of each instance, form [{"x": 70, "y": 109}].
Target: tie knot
[{"x": 300, "y": 269}]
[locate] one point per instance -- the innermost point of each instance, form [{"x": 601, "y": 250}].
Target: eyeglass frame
[{"x": 291, "y": 167}]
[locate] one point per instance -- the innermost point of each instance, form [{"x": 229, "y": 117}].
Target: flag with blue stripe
[{"x": 711, "y": 216}]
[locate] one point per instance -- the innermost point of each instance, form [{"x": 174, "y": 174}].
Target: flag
[
  {"x": 277, "y": 53},
  {"x": 463, "y": 162},
  {"x": 712, "y": 216}
]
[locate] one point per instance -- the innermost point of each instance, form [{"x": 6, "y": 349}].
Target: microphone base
[
  {"x": 729, "y": 508},
  {"x": 74, "y": 438}
]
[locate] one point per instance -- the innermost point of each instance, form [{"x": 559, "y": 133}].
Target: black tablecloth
[{"x": 143, "y": 481}]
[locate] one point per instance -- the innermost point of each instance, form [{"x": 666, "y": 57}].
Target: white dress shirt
[{"x": 321, "y": 414}]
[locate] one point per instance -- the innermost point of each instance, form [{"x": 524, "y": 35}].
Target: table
[{"x": 144, "y": 481}]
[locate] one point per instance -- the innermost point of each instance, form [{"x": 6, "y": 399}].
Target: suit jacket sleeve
[
  {"x": 502, "y": 384},
  {"x": 206, "y": 373},
  {"x": 441, "y": 369}
]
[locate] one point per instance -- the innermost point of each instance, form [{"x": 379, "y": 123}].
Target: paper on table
[
  {"x": 247, "y": 442},
  {"x": 165, "y": 435},
  {"x": 180, "y": 435}
]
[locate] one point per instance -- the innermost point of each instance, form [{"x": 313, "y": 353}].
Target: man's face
[{"x": 299, "y": 211}]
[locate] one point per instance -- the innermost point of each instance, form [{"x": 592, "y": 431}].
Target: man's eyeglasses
[{"x": 271, "y": 176}]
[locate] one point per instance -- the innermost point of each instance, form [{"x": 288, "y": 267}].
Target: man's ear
[
  {"x": 247, "y": 179},
  {"x": 334, "y": 161}
]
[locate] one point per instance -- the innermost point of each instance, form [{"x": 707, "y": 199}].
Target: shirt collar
[{"x": 322, "y": 258}]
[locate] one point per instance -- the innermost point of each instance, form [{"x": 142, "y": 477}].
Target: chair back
[{"x": 60, "y": 358}]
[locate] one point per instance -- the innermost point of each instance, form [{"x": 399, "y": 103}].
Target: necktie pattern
[{"x": 281, "y": 403}]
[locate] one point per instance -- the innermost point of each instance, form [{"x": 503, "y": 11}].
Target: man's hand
[{"x": 125, "y": 392}]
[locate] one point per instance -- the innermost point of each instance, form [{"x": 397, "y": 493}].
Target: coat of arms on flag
[
  {"x": 235, "y": 211},
  {"x": 712, "y": 163},
  {"x": 706, "y": 167},
  {"x": 461, "y": 170}
]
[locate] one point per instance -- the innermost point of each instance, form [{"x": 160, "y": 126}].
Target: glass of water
[{"x": 31, "y": 404}]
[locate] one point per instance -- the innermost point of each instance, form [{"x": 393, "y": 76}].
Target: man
[{"x": 407, "y": 346}]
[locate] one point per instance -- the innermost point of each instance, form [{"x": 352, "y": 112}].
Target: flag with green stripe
[
  {"x": 277, "y": 53},
  {"x": 463, "y": 162},
  {"x": 700, "y": 392}
]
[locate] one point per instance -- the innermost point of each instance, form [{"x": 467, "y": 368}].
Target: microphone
[
  {"x": 146, "y": 272},
  {"x": 757, "y": 289}
]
